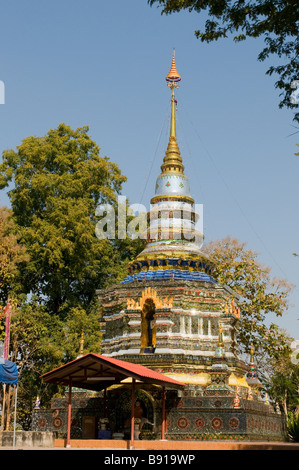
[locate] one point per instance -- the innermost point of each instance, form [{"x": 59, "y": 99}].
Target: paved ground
[{"x": 206, "y": 446}]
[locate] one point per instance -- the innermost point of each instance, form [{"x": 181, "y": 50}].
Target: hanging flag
[{"x": 7, "y": 329}]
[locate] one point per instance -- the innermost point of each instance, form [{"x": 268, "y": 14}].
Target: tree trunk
[{"x": 284, "y": 403}]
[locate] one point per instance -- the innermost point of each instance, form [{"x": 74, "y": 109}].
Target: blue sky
[{"x": 103, "y": 64}]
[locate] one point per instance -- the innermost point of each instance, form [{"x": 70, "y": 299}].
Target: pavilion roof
[{"x": 96, "y": 372}]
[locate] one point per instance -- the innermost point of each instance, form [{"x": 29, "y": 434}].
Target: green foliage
[
  {"x": 260, "y": 295},
  {"x": 238, "y": 267},
  {"x": 76, "y": 323},
  {"x": 282, "y": 381},
  {"x": 59, "y": 180},
  {"x": 51, "y": 261},
  {"x": 40, "y": 342},
  {"x": 275, "y": 21},
  {"x": 12, "y": 253},
  {"x": 293, "y": 427},
  {"x": 33, "y": 338}
]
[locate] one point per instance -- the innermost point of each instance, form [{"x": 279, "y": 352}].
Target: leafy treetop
[{"x": 276, "y": 21}]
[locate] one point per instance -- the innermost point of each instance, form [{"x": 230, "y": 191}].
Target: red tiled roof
[
  {"x": 140, "y": 370},
  {"x": 95, "y": 372}
]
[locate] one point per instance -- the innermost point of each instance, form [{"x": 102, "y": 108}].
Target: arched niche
[{"x": 148, "y": 327}]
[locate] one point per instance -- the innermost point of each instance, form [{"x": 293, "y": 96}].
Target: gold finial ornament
[
  {"x": 251, "y": 353},
  {"x": 220, "y": 336},
  {"x": 173, "y": 160},
  {"x": 173, "y": 75}
]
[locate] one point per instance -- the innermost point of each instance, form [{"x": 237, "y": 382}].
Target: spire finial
[
  {"x": 252, "y": 376},
  {"x": 173, "y": 75},
  {"x": 251, "y": 354},
  {"x": 173, "y": 160},
  {"x": 172, "y": 79}
]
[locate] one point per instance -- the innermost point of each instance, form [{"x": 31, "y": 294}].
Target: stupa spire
[
  {"x": 252, "y": 355},
  {"x": 252, "y": 375},
  {"x": 81, "y": 349},
  {"x": 173, "y": 240},
  {"x": 173, "y": 160}
]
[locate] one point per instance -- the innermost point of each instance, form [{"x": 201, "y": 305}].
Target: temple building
[
  {"x": 171, "y": 315},
  {"x": 166, "y": 312}
]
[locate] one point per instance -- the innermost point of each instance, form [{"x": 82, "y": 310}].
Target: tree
[
  {"x": 282, "y": 382},
  {"x": 12, "y": 253},
  {"x": 276, "y": 21},
  {"x": 31, "y": 348},
  {"x": 237, "y": 267},
  {"x": 259, "y": 295},
  {"x": 59, "y": 180},
  {"x": 39, "y": 342}
]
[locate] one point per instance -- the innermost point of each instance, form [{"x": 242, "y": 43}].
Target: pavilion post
[
  {"x": 69, "y": 415},
  {"x": 163, "y": 413},
  {"x": 3, "y": 406},
  {"x": 15, "y": 417},
  {"x": 105, "y": 404},
  {"x": 132, "y": 413}
]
